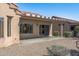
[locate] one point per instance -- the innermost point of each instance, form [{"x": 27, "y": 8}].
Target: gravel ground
[{"x": 35, "y": 47}]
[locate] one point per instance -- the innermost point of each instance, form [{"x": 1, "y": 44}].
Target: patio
[{"x": 36, "y": 47}]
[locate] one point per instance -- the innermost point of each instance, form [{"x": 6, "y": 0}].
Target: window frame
[
  {"x": 2, "y": 27},
  {"x": 28, "y": 28},
  {"x": 9, "y": 21}
]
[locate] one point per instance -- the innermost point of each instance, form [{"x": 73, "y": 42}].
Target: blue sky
[{"x": 67, "y": 10}]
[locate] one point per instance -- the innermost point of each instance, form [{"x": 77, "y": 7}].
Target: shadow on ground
[
  {"x": 61, "y": 51},
  {"x": 74, "y": 53}
]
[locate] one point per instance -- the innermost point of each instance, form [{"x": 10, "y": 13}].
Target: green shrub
[
  {"x": 76, "y": 29},
  {"x": 55, "y": 34},
  {"x": 57, "y": 51},
  {"x": 67, "y": 34}
]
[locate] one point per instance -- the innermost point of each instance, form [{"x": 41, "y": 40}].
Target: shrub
[
  {"x": 55, "y": 34},
  {"x": 76, "y": 29},
  {"x": 67, "y": 34},
  {"x": 57, "y": 51}
]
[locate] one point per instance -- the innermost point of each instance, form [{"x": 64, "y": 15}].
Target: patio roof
[
  {"x": 63, "y": 19},
  {"x": 34, "y": 16},
  {"x": 56, "y": 18}
]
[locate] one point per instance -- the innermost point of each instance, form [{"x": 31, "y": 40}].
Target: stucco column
[
  {"x": 51, "y": 30},
  {"x": 36, "y": 29},
  {"x": 5, "y": 28},
  {"x": 61, "y": 29}
]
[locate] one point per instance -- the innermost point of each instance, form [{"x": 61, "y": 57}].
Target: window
[
  {"x": 9, "y": 26},
  {"x": 26, "y": 28},
  {"x": 44, "y": 30},
  {"x": 72, "y": 28},
  {"x": 1, "y": 27}
]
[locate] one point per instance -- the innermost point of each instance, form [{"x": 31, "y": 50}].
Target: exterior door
[{"x": 44, "y": 30}]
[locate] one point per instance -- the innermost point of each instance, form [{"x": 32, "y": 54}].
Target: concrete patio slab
[{"x": 36, "y": 47}]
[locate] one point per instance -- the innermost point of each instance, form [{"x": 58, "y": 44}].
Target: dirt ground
[{"x": 37, "y": 48}]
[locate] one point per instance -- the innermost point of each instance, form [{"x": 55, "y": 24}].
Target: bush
[
  {"x": 76, "y": 29},
  {"x": 68, "y": 34},
  {"x": 55, "y": 34},
  {"x": 57, "y": 51}
]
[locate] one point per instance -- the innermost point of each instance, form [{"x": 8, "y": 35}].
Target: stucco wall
[{"x": 4, "y": 12}]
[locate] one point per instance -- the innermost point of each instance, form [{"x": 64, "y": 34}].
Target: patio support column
[
  {"x": 36, "y": 29},
  {"x": 51, "y": 30},
  {"x": 61, "y": 29}
]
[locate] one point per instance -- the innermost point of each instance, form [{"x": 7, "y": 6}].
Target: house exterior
[
  {"x": 45, "y": 26},
  {"x": 16, "y": 25},
  {"x": 9, "y": 20}
]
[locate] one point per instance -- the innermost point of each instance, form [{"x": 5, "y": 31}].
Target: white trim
[
  {"x": 33, "y": 15},
  {"x": 38, "y": 16},
  {"x": 28, "y": 14}
]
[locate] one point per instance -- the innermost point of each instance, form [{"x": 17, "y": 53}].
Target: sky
[{"x": 66, "y": 10}]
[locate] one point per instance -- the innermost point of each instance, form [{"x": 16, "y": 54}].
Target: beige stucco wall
[{"x": 4, "y": 12}]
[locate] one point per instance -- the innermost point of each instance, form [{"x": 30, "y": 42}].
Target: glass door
[{"x": 44, "y": 30}]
